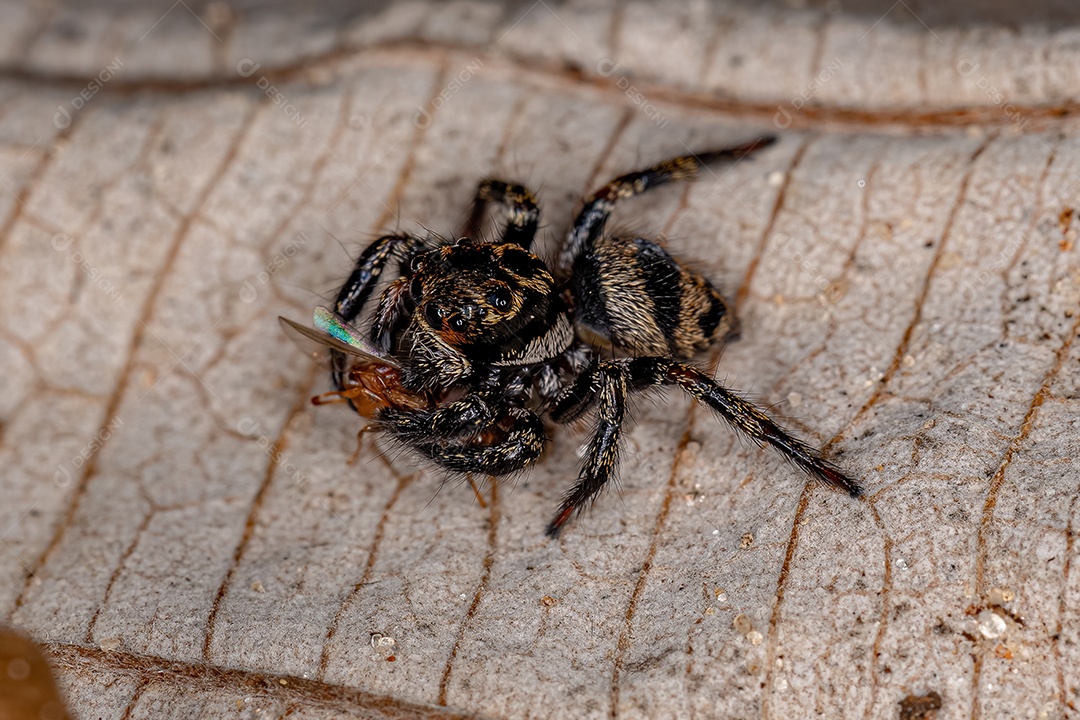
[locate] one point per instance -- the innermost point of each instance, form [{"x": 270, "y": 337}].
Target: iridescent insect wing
[{"x": 331, "y": 331}]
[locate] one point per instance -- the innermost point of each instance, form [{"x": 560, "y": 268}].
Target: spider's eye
[
  {"x": 501, "y": 299},
  {"x": 433, "y": 315},
  {"x": 415, "y": 288},
  {"x": 458, "y": 323},
  {"x": 415, "y": 263}
]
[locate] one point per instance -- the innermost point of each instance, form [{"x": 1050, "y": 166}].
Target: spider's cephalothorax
[{"x": 484, "y": 338}]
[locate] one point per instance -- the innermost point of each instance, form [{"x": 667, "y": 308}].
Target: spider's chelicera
[{"x": 472, "y": 343}]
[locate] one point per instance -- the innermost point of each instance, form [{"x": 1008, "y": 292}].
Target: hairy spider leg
[
  {"x": 368, "y": 269},
  {"x": 469, "y": 436},
  {"x": 356, "y": 291},
  {"x": 606, "y": 385},
  {"x": 519, "y": 206},
  {"x": 594, "y": 215}
]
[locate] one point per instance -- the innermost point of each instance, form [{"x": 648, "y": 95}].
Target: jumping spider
[{"x": 472, "y": 342}]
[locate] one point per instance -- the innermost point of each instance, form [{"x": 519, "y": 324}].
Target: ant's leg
[
  {"x": 605, "y": 385},
  {"x": 519, "y": 208},
  {"x": 594, "y": 215}
]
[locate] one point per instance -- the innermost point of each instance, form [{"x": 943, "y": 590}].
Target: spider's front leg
[
  {"x": 361, "y": 283},
  {"x": 606, "y": 385},
  {"x": 476, "y": 434},
  {"x": 519, "y": 209},
  {"x": 369, "y": 268}
]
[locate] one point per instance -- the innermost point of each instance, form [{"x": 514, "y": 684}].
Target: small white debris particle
[
  {"x": 743, "y": 624},
  {"x": 379, "y": 640},
  {"x": 990, "y": 624},
  {"x": 1000, "y": 596},
  {"x": 776, "y": 178},
  {"x": 754, "y": 637},
  {"x": 794, "y": 399},
  {"x": 258, "y": 587},
  {"x": 1048, "y": 710},
  {"x": 109, "y": 644}
]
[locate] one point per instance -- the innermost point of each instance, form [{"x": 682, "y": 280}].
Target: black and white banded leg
[{"x": 606, "y": 385}]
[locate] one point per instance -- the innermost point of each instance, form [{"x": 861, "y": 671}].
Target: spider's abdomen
[{"x": 639, "y": 298}]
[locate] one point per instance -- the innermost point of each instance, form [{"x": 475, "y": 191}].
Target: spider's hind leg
[
  {"x": 519, "y": 206},
  {"x": 748, "y": 419},
  {"x": 606, "y": 384},
  {"x": 594, "y": 215}
]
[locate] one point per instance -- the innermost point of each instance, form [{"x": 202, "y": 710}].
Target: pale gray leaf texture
[{"x": 182, "y": 530}]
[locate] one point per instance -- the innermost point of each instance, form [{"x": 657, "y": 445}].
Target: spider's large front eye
[
  {"x": 433, "y": 315},
  {"x": 458, "y": 323},
  {"x": 501, "y": 299},
  {"x": 415, "y": 288}
]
